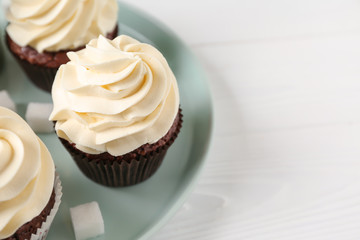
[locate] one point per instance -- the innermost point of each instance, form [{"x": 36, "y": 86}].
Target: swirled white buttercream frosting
[
  {"x": 114, "y": 96},
  {"x": 26, "y": 173},
  {"x": 54, "y": 25}
]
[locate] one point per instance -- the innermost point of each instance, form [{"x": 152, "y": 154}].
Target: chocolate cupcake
[
  {"x": 116, "y": 110},
  {"x": 41, "y": 33},
  {"x": 30, "y": 190}
]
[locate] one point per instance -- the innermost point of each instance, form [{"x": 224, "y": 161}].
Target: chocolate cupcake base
[
  {"x": 41, "y": 68},
  {"x": 29, "y": 228},
  {"x": 128, "y": 169}
]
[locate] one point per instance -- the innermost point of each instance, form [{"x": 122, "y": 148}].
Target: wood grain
[{"x": 284, "y": 160}]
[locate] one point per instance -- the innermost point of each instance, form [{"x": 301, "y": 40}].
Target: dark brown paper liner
[
  {"x": 42, "y": 77},
  {"x": 127, "y": 169}
]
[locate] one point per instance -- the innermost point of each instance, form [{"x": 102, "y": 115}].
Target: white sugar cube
[
  {"x": 87, "y": 220},
  {"x": 37, "y": 116},
  {"x": 6, "y": 101}
]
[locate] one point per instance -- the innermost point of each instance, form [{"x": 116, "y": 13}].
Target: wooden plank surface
[{"x": 285, "y": 158}]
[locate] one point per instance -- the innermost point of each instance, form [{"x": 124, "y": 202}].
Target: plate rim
[
  {"x": 189, "y": 187},
  {"x": 185, "y": 188}
]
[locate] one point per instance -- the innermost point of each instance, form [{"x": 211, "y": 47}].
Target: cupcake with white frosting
[
  {"x": 30, "y": 191},
  {"x": 116, "y": 108},
  {"x": 40, "y": 33}
]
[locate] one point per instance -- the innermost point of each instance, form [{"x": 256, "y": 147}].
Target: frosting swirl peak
[
  {"x": 114, "y": 96},
  {"x": 54, "y": 25},
  {"x": 26, "y": 173}
]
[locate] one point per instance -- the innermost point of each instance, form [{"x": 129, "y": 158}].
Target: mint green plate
[{"x": 134, "y": 212}]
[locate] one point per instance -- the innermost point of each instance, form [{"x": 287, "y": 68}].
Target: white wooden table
[{"x": 284, "y": 162}]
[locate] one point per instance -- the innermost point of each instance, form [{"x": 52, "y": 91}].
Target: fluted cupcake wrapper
[
  {"x": 120, "y": 173},
  {"x": 42, "y": 232},
  {"x": 42, "y": 77}
]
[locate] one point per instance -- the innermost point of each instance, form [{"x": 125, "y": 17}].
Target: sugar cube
[
  {"x": 87, "y": 220},
  {"x": 37, "y": 116},
  {"x": 6, "y": 101}
]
